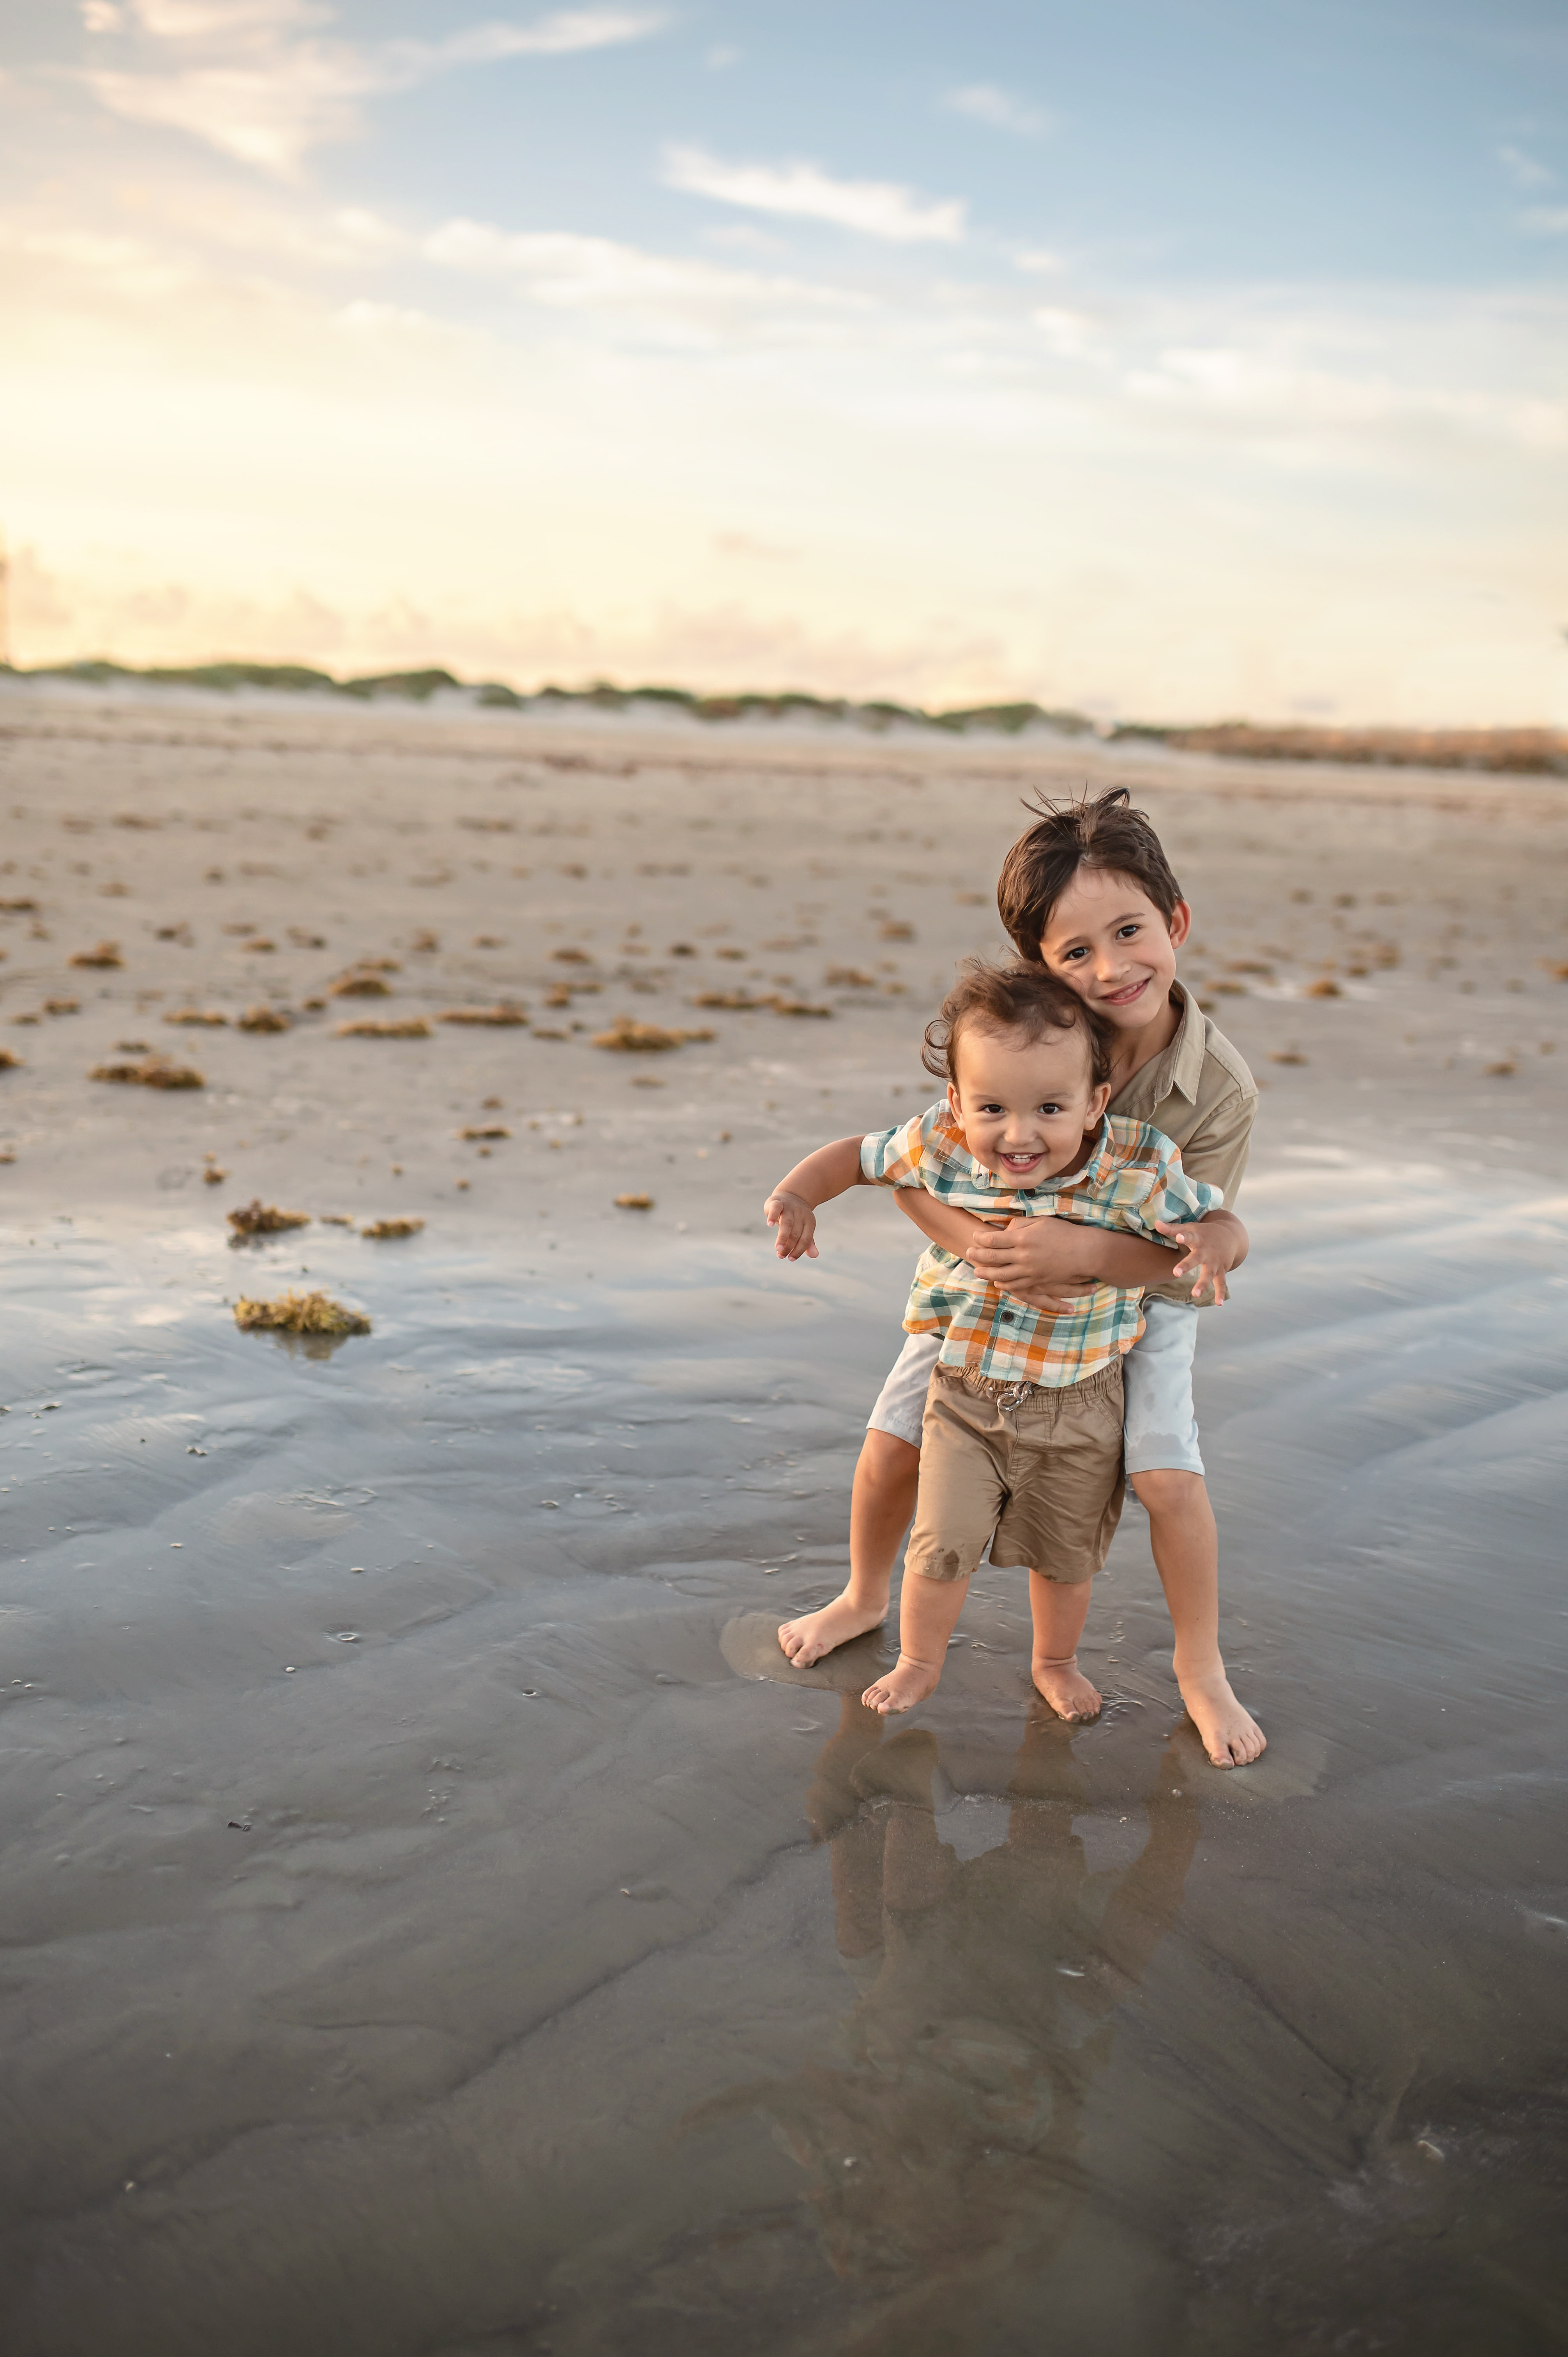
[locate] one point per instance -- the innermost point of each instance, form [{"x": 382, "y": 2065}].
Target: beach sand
[{"x": 434, "y": 1924}]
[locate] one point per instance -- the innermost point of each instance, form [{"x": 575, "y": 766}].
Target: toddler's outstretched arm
[{"x": 792, "y": 1206}]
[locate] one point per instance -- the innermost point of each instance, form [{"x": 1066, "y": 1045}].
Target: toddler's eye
[{"x": 1050, "y": 1108}]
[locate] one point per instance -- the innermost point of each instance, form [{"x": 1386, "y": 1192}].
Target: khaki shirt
[{"x": 1200, "y": 1093}]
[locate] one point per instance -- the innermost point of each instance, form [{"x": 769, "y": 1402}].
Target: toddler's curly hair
[{"x": 1025, "y": 998}]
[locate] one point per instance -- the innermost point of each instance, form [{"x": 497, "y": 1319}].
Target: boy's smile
[
  {"x": 1106, "y": 938},
  {"x": 1028, "y": 1108}
]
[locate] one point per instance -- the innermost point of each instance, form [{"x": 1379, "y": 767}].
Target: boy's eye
[
  {"x": 1069, "y": 956},
  {"x": 1125, "y": 933}
]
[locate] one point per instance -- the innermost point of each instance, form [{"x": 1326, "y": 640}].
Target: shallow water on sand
[{"x": 421, "y": 1937}]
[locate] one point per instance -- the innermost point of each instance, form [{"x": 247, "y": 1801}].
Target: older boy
[
  {"x": 1088, "y": 892},
  {"x": 1022, "y": 1422}
]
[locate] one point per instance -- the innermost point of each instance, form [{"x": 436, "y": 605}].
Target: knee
[
  {"x": 1169, "y": 1494},
  {"x": 887, "y": 1463}
]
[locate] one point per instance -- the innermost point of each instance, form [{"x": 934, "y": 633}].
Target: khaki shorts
[{"x": 1040, "y": 1482}]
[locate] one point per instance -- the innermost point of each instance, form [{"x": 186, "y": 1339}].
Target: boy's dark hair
[
  {"x": 1027, "y": 999},
  {"x": 1105, "y": 833}
]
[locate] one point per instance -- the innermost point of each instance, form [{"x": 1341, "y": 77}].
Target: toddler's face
[
  {"x": 1107, "y": 939},
  {"x": 1025, "y": 1105}
]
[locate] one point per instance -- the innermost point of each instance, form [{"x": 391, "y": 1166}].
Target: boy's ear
[
  {"x": 1180, "y": 923},
  {"x": 1098, "y": 1100}
]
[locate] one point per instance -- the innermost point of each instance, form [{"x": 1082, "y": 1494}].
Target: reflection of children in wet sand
[
  {"x": 1022, "y": 1441},
  {"x": 947, "y": 2144}
]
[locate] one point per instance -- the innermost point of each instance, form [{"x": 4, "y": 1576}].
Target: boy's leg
[
  {"x": 1186, "y": 1556},
  {"x": 1061, "y": 1518},
  {"x": 962, "y": 1493},
  {"x": 927, "y": 1615},
  {"x": 1166, "y": 1471},
  {"x": 1058, "y": 1611},
  {"x": 887, "y": 1479}
]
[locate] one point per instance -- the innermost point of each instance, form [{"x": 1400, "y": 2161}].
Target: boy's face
[
  {"x": 1024, "y": 1104},
  {"x": 1106, "y": 938}
]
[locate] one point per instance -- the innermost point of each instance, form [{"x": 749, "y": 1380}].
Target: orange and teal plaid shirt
[{"x": 1133, "y": 1178}]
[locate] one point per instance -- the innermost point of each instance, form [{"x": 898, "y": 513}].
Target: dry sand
[{"x": 421, "y": 1938}]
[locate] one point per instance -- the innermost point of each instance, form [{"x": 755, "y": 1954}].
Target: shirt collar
[{"x": 1179, "y": 1065}]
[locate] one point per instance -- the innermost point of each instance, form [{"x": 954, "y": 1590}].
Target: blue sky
[{"x": 1170, "y": 358}]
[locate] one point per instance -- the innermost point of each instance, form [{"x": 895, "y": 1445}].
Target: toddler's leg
[
  {"x": 1186, "y": 1556},
  {"x": 927, "y": 1615},
  {"x": 881, "y": 1506},
  {"x": 1058, "y": 1610}
]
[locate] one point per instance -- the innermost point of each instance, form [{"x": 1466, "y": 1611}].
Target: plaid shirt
[{"x": 1133, "y": 1178}]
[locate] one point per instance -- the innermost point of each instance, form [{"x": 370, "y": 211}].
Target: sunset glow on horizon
[{"x": 1170, "y": 363}]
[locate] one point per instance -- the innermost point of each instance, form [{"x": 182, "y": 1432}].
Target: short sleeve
[{"x": 893, "y": 1158}]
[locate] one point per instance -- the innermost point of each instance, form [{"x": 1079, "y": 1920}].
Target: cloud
[
  {"x": 1545, "y": 220},
  {"x": 982, "y": 101},
  {"x": 598, "y": 273},
  {"x": 804, "y": 192},
  {"x": 1524, "y": 171},
  {"x": 265, "y": 95}
]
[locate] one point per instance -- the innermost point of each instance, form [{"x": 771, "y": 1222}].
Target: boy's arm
[
  {"x": 1038, "y": 1259},
  {"x": 962, "y": 1232},
  {"x": 791, "y": 1207}
]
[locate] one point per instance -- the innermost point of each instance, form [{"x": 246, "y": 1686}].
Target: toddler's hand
[
  {"x": 795, "y": 1222},
  {"x": 1206, "y": 1255}
]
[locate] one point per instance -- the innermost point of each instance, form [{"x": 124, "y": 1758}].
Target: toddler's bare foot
[
  {"x": 905, "y": 1685},
  {"x": 805, "y": 1640},
  {"x": 1231, "y": 1735},
  {"x": 1063, "y": 1684}
]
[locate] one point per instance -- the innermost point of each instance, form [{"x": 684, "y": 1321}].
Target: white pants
[{"x": 1161, "y": 1427}]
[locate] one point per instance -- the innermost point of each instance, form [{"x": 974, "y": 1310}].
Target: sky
[{"x": 1168, "y": 360}]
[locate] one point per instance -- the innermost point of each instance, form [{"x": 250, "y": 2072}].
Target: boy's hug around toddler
[{"x": 1044, "y": 1329}]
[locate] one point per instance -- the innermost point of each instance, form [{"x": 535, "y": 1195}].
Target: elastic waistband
[{"x": 1015, "y": 1394}]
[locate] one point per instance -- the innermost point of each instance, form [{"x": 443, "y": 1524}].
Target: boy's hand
[
  {"x": 1210, "y": 1253},
  {"x": 795, "y": 1222},
  {"x": 1008, "y": 1252}
]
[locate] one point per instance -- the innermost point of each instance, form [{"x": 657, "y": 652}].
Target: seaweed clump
[
  {"x": 151, "y": 1072},
  {"x": 385, "y": 1227},
  {"x": 626, "y": 1037},
  {"x": 499, "y": 1015},
  {"x": 205, "y": 1016},
  {"x": 299, "y": 1313},
  {"x": 106, "y": 953},
  {"x": 634, "y": 1202},
  {"x": 263, "y": 1018},
  {"x": 407, "y": 1027},
  {"x": 258, "y": 1219}
]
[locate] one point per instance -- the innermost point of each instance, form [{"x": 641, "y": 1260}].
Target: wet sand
[{"x": 425, "y": 1932}]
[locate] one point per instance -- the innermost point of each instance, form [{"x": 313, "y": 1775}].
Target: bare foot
[
  {"x": 805, "y": 1640},
  {"x": 1231, "y": 1735},
  {"x": 906, "y": 1685},
  {"x": 1065, "y": 1687}
]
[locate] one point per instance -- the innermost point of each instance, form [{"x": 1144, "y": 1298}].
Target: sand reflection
[{"x": 945, "y": 2141}]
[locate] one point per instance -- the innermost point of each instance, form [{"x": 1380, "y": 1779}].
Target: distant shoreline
[{"x": 1526, "y": 752}]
